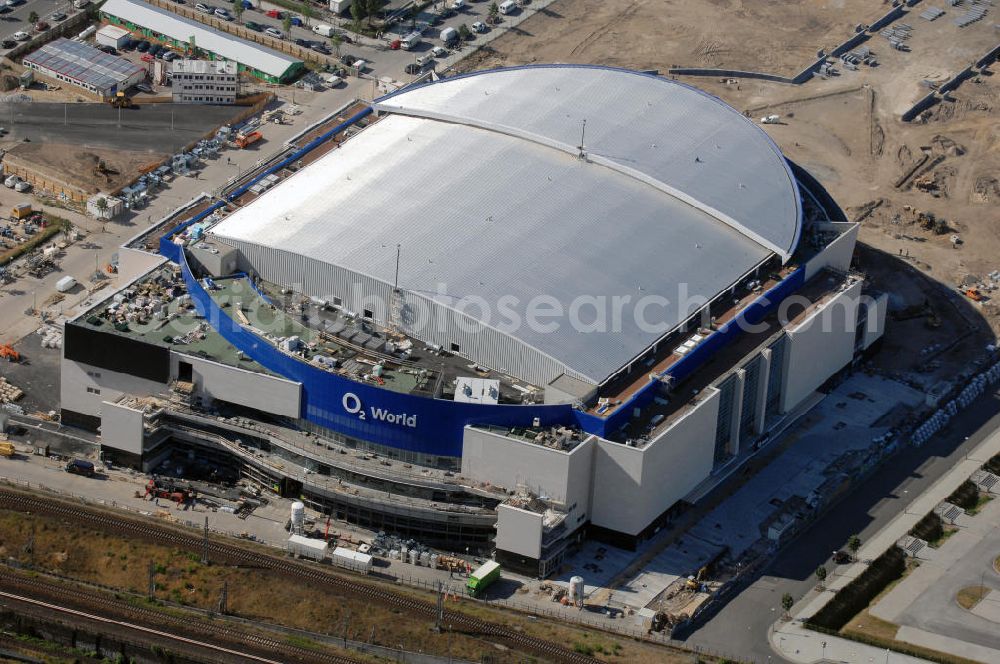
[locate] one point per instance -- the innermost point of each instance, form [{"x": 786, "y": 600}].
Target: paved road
[
  {"x": 155, "y": 127},
  {"x": 741, "y": 626}
]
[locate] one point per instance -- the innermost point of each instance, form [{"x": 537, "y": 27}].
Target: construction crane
[{"x": 9, "y": 354}]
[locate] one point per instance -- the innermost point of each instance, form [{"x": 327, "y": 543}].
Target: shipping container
[
  {"x": 304, "y": 547},
  {"x": 351, "y": 559}
]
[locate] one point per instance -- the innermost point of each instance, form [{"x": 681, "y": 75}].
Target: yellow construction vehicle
[{"x": 120, "y": 100}]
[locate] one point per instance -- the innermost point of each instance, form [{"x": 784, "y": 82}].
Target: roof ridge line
[{"x": 593, "y": 158}]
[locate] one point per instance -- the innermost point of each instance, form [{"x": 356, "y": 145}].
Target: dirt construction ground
[{"x": 927, "y": 193}]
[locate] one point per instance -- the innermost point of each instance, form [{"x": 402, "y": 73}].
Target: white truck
[
  {"x": 449, "y": 36},
  {"x": 409, "y": 41},
  {"x": 323, "y": 29}
]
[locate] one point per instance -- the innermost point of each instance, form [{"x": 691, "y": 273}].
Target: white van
[
  {"x": 424, "y": 60},
  {"x": 458, "y": 5},
  {"x": 508, "y": 7},
  {"x": 80, "y": 4},
  {"x": 449, "y": 36},
  {"x": 323, "y": 30}
]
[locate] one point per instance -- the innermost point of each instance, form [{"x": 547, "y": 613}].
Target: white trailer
[
  {"x": 339, "y": 6},
  {"x": 351, "y": 559},
  {"x": 305, "y": 547}
]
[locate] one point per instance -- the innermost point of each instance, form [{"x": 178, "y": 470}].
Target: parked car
[
  {"x": 302, "y": 42},
  {"x": 147, "y": 57},
  {"x": 297, "y": 21},
  {"x": 321, "y": 48},
  {"x": 170, "y": 56},
  {"x": 21, "y": 35},
  {"x": 142, "y": 46},
  {"x": 479, "y": 27},
  {"x": 129, "y": 44},
  {"x": 256, "y": 27},
  {"x": 58, "y": 16},
  {"x": 274, "y": 32},
  {"x": 41, "y": 26},
  {"x": 223, "y": 14},
  {"x": 154, "y": 49},
  {"x": 202, "y": 7},
  {"x": 4, "y": 8},
  {"x": 439, "y": 52},
  {"x": 162, "y": 52},
  {"x": 275, "y": 13},
  {"x": 22, "y": 186},
  {"x": 413, "y": 69},
  {"x": 15, "y": 3},
  {"x": 142, "y": 87},
  {"x": 80, "y": 467},
  {"x": 8, "y": 43},
  {"x": 110, "y": 50}
]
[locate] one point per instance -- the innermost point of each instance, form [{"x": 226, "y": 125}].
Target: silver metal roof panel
[
  {"x": 490, "y": 215},
  {"x": 685, "y": 142}
]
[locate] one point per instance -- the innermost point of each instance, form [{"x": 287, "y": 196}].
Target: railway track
[
  {"x": 221, "y": 551},
  {"x": 241, "y": 644}
]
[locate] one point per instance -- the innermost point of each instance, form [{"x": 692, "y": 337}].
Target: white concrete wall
[
  {"x": 875, "y": 325},
  {"x": 563, "y": 477},
  {"x": 111, "y": 385},
  {"x": 519, "y": 531},
  {"x": 632, "y": 486},
  {"x": 820, "y": 345},
  {"x": 837, "y": 255},
  {"x": 121, "y": 427},
  {"x": 254, "y": 390}
]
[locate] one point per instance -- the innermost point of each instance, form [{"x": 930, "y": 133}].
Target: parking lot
[{"x": 16, "y": 19}]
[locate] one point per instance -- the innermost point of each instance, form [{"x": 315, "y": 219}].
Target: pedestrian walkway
[{"x": 796, "y": 643}]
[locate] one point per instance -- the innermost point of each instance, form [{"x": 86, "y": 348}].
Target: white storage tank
[
  {"x": 298, "y": 517},
  {"x": 414, "y": 556},
  {"x": 576, "y": 590}
]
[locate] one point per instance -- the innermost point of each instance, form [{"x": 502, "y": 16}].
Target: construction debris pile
[{"x": 9, "y": 393}]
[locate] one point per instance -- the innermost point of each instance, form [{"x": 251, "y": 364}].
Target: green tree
[
  {"x": 786, "y": 602},
  {"x": 463, "y": 32},
  {"x": 853, "y": 543},
  {"x": 494, "y": 13},
  {"x": 336, "y": 41},
  {"x": 238, "y": 9},
  {"x": 33, "y": 18},
  {"x": 372, "y": 8},
  {"x": 286, "y": 24},
  {"x": 821, "y": 573},
  {"x": 102, "y": 206},
  {"x": 358, "y": 15},
  {"x": 307, "y": 12}
]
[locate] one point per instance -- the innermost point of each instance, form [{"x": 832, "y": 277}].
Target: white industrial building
[
  {"x": 84, "y": 66},
  {"x": 204, "y": 82},
  {"x": 439, "y": 223}
]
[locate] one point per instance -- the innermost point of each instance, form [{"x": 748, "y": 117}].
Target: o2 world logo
[{"x": 352, "y": 405}]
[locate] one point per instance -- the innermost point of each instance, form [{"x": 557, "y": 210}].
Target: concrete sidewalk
[{"x": 794, "y": 642}]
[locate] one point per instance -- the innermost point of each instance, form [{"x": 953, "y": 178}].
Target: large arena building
[{"x": 515, "y": 307}]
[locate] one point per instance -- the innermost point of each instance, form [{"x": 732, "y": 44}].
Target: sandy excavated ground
[
  {"x": 78, "y": 165},
  {"x": 844, "y": 129},
  {"x": 776, "y": 36}
]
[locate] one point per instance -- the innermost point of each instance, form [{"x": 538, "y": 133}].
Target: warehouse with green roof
[{"x": 167, "y": 27}]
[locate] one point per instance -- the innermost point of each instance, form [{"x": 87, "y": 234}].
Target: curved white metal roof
[
  {"x": 494, "y": 214},
  {"x": 676, "y": 138}
]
